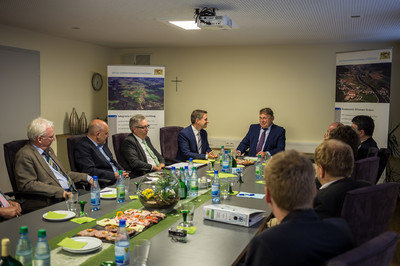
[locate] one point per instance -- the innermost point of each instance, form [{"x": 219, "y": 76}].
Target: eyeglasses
[
  {"x": 144, "y": 127},
  {"x": 44, "y": 137}
]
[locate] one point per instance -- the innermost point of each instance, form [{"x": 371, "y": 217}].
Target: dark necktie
[
  {"x": 199, "y": 142},
  {"x": 261, "y": 142},
  {"x": 58, "y": 169}
]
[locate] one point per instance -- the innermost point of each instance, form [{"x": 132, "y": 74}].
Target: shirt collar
[
  {"x": 95, "y": 144},
  {"x": 38, "y": 149},
  {"x": 195, "y": 131}
]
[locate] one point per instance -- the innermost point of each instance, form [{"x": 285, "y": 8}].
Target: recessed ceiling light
[
  {"x": 76, "y": 28},
  {"x": 187, "y": 25},
  {"x": 355, "y": 16}
]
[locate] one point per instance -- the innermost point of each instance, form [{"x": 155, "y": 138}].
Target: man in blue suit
[
  {"x": 192, "y": 140},
  {"x": 264, "y": 138}
]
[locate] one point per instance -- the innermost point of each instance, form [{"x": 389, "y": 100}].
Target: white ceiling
[{"x": 136, "y": 23}]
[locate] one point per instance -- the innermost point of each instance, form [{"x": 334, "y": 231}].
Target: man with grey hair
[
  {"x": 92, "y": 155},
  {"x": 301, "y": 238},
  {"x": 37, "y": 167},
  {"x": 192, "y": 140},
  {"x": 138, "y": 154},
  {"x": 264, "y": 138}
]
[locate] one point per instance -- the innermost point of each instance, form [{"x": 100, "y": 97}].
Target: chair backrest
[
  {"x": 71, "y": 141},
  {"x": 368, "y": 210},
  {"x": 383, "y": 155},
  {"x": 366, "y": 169},
  {"x": 117, "y": 140},
  {"x": 169, "y": 141},
  {"x": 377, "y": 251},
  {"x": 372, "y": 152},
  {"x": 10, "y": 150}
]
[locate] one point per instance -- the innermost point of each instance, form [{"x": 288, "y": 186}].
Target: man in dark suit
[
  {"x": 365, "y": 126},
  {"x": 38, "y": 169},
  {"x": 301, "y": 238},
  {"x": 138, "y": 154},
  {"x": 334, "y": 164},
  {"x": 264, "y": 138},
  {"x": 92, "y": 154},
  {"x": 192, "y": 140}
]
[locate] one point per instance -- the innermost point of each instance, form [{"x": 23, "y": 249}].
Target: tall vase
[
  {"x": 82, "y": 124},
  {"x": 74, "y": 122}
]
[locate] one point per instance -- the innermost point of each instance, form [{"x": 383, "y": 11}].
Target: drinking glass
[
  {"x": 224, "y": 187},
  {"x": 141, "y": 249},
  {"x": 189, "y": 218},
  {"x": 82, "y": 204},
  {"x": 72, "y": 201},
  {"x": 185, "y": 209}
]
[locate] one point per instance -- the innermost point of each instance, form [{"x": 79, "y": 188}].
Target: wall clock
[{"x": 97, "y": 81}]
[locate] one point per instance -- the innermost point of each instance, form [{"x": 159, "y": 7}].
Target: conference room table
[{"x": 213, "y": 243}]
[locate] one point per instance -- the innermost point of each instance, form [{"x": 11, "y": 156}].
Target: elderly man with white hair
[{"x": 37, "y": 167}]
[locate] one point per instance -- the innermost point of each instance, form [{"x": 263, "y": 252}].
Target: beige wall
[
  {"x": 66, "y": 68},
  {"x": 233, "y": 83}
]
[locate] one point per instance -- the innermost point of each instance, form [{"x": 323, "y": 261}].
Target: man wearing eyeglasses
[
  {"x": 92, "y": 154},
  {"x": 37, "y": 168},
  {"x": 264, "y": 138},
  {"x": 138, "y": 154}
]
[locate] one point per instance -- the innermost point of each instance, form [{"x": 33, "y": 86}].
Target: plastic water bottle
[
  {"x": 42, "y": 250},
  {"x": 259, "y": 168},
  {"x": 190, "y": 167},
  {"x": 95, "y": 194},
  {"x": 221, "y": 155},
  {"x": 23, "y": 252},
  {"x": 122, "y": 250},
  {"x": 121, "y": 187},
  {"x": 187, "y": 177},
  {"x": 230, "y": 160},
  {"x": 216, "y": 188},
  {"x": 194, "y": 183},
  {"x": 225, "y": 163}
]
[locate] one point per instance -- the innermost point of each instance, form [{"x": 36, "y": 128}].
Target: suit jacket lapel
[
  {"x": 43, "y": 162},
  {"x": 140, "y": 149},
  {"x": 267, "y": 142}
]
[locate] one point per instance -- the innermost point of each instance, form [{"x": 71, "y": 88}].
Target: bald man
[
  {"x": 330, "y": 128},
  {"x": 92, "y": 155}
]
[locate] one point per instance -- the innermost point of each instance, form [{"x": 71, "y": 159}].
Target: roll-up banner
[
  {"x": 363, "y": 88},
  {"x": 136, "y": 90}
]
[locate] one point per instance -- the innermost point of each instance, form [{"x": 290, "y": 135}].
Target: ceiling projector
[{"x": 214, "y": 22}]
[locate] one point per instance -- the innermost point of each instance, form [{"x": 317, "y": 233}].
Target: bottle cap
[
  {"x": 190, "y": 159},
  {"x": 122, "y": 222},
  {"x": 186, "y": 167},
  {"x": 120, "y": 172},
  {"x": 42, "y": 233},
  {"x": 222, "y": 147},
  {"x": 95, "y": 178},
  {"x": 259, "y": 156},
  {"x": 194, "y": 167},
  {"x": 5, "y": 244},
  {"x": 226, "y": 151},
  {"x": 215, "y": 172},
  {"x": 173, "y": 168},
  {"x": 23, "y": 230}
]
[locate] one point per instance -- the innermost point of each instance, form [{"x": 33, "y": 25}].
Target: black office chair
[
  {"x": 117, "y": 140},
  {"x": 31, "y": 200},
  {"x": 369, "y": 210},
  {"x": 377, "y": 251},
  {"x": 383, "y": 155},
  {"x": 83, "y": 186},
  {"x": 169, "y": 143}
]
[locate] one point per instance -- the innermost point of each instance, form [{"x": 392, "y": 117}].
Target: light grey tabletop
[{"x": 214, "y": 243}]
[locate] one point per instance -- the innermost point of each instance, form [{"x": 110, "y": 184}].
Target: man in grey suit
[
  {"x": 138, "y": 154},
  {"x": 37, "y": 167}
]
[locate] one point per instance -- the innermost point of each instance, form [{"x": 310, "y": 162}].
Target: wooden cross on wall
[{"x": 176, "y": 82}]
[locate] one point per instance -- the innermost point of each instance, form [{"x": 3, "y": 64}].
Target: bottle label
[
  {"x": 182, "y": 192},
  {"x": 122, "y": 253},
  {"x": 193, "y": 185},
  {"x": 215, "y": 190},
  {"x": 95, "y": 198}
]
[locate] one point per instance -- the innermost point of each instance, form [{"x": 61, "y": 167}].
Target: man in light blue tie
[
  {"x": 264, "y": 138},
  {"x": 138, "y": 154},
  {"x": 192, "y": 140},
  {"x": 92, "y": 155}
]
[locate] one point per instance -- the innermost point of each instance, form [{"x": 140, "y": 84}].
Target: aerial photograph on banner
[
  {"x": 367, "y": 83},
  {"x": 135, "y": 93}
]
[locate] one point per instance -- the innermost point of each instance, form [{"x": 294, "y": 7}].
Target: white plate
[
  {"x": 92, "y": 244},
  {"x": 108, "y": 191},
  {"x": 68, "y": 213}
]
